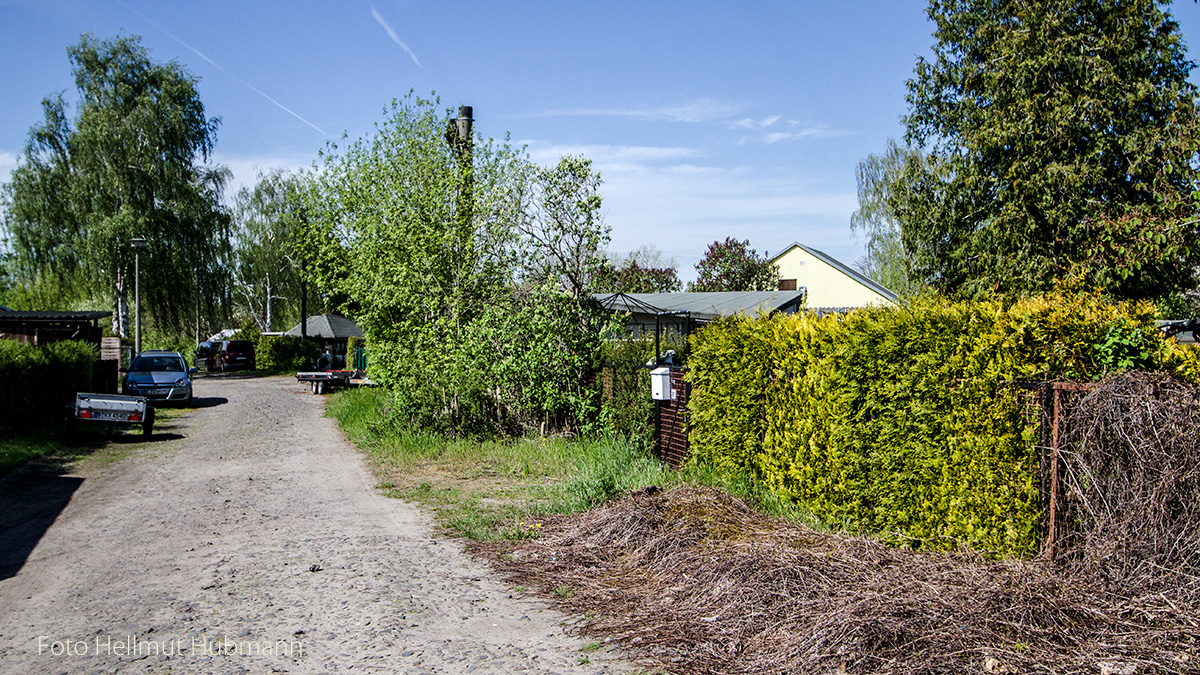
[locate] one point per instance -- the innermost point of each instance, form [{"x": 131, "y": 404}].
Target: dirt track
[{"x": 246, "y": 537}]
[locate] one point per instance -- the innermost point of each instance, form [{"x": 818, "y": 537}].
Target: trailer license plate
[{"x": 112, "y": 416}]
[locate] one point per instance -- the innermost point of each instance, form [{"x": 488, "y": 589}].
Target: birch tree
[{"x": 132, "y": 162}]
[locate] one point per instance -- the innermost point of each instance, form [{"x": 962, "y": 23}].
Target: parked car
[
  {"x": 234, "y": 354},
  {"x": 159, "y": 375},
  {"x": 205, "y": 353}
]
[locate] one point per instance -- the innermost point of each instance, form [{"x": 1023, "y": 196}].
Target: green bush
[
  {"x": 284, "y": 353},
  {"x": 905, "y": 420},
  {"x": 626, "y": 410},
  {"x": 38, "y": 383},
  {"x": 182, "y": 344},
  {"x": 354, "y": 344},
  {"x": 522, "y": 366},
  {"x": 625, "y": 407}
]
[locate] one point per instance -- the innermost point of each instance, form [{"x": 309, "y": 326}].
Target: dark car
[
  {"x": 159, "y": 376},
  {"x": 205, "y": 353},
  {"x": 233, "y": 355}
]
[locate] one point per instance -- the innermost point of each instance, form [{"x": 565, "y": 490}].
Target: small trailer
[
  {"x": 114, "y": 409},
  {"x": 323, "y": 381}
]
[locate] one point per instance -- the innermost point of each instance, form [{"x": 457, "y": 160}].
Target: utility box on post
[{"x": 660, "y": 384}]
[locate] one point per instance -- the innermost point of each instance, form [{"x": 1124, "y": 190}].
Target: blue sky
[{"x": 705, "y": 119}]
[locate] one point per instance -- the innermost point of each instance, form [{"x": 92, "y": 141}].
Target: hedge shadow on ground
[{"x": 30, "y": 502}]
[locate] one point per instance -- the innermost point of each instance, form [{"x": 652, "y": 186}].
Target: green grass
[
  {"x": 70, "y": 444},
  {"x": 493, "y": 489},
  {"x": 17, "y": 451},
  {"x": 60, "y": 449},
  {"x": 499, "y": 489}
]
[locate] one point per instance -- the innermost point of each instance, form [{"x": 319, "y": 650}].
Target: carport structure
[{"x": 44, "y": 327}]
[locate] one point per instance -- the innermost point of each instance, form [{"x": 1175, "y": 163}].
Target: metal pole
[
  {"x": 1050, "y": 536},
  {"x": 303, "y": 310},
  {"x": 458, "y": 135},
  {"x": 137, "y": 302},
  {"x": 657, "y": 332},
  {"x": 138, "y": 243},
  {"x": 464, "y": 124}
]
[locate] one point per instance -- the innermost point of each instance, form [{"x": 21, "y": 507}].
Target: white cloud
[
  {"x": 8, "y": 162},
  {"x": 392, "y": 34},
  {"x": 605, "y": 154},
  {"x": 698, "y": 110},
  {"x": 664, "y": 197},
  {"x": 246, "y": 169},
  {"x": 795, "y": 130},
  {"x": 749, "y": 123}
]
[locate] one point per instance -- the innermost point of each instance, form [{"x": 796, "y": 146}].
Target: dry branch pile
[
  {"x": 1132, "y": 490},
  {"x": 695, "y": 581}
]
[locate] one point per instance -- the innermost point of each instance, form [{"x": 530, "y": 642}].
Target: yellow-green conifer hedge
[{"x": 904, "y": 420}]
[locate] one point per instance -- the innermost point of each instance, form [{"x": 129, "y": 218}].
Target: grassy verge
[
  {"x": 488, "y": 490},
  {"x": 69, "y": 444},
  {"x": 493, "y": 489},
  {"x": 19, "y": 450}
]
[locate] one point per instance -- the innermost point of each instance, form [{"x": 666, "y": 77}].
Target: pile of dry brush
[
  {"x": 1132, "y": 477},
  {"x": 695, "y": 581}
]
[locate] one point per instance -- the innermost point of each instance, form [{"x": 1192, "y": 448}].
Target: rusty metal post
[{"x": 1050, "y": 536}]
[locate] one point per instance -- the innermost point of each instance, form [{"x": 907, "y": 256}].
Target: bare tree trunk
[
  {"x": 268, "y": 327},
  {"x": 246, "y": 292},
  {"x": 121, "y": 308},
  {"x": 196, "y": 277}
]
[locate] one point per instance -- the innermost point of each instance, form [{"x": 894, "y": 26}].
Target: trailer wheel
[
  {"x": 321, "y": 385},
  {"x": 148, "y": 423},
  {"x": 313, "y": 384}
]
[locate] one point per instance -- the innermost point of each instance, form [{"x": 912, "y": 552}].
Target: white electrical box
[{"x": 660, "y": 384}]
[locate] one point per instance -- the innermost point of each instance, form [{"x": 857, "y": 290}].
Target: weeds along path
[{"x": 246, "y": 537}]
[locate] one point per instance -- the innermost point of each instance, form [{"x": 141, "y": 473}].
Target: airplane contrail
[
  {"x": 395, "y": 38},
  {"x": 223, "y": 70}
]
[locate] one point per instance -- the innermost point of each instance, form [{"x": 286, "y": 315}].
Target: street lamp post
[{"x": 138, "y": 243}]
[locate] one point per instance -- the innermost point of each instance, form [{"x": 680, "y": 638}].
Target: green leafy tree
[
  {"x": 564, "y": 234},
  {"x": 645, "y": 270},
  {"x": 731, "y": 265},
  {"x": 1068, "y": 135},
  {"x": 384, "y": 234},
  {"x": 265, "y": 271},
  {"x": 880, "y": 187},
  {"x": 132, "y": 163},
  {"x": 631, "y": 277},
  {"x": 468, "y": 269}
]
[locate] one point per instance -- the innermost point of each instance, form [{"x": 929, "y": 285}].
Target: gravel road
[{"x": 246, "y": 537}]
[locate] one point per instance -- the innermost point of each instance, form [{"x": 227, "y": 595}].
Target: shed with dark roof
[
  {"x": 333, "y": 331},
  {"x": 44, "y": 327},
  {"x": 328, "y": 326},
  {"x": 683, "y": 311}
]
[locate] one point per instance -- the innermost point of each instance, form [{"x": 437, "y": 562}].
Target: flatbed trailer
[
  {"x": 114, "y": 409},
  {"x": 323, "y": 381}
]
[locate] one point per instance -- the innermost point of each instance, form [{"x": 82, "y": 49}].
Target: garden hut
[{"x": 332, "y": 331}]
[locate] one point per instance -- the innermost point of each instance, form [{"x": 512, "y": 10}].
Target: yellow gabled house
[{"x": 831, "y": 284}]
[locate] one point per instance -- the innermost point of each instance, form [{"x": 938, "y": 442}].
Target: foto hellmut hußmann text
[{"x": 106, "y": 645}]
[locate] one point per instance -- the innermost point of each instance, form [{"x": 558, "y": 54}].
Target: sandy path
[{"x": 247, "y": 538}]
